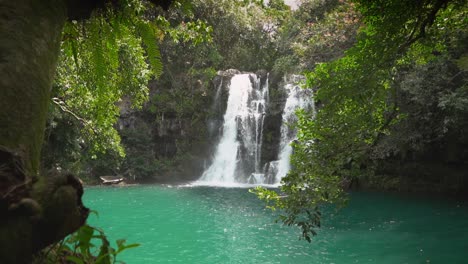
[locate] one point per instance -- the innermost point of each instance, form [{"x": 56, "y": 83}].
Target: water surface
[{"x": 229, "y": 225}]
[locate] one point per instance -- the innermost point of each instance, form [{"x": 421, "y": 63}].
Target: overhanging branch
[
  {"x": 61, "y": 104},
  {"x": 425, "y": 21},
  {"x": 63, "y": 107}
]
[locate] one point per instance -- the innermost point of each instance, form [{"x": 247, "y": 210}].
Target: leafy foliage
[
  {"x": 87, "y": 245},
  {"x": 103, "y": 59},
  {"x": 109, "y": 57},
  {"x": 239, "y": 38},
  {"x": 359, "y": 99},
  {"x": 169, "y": 135},
  {"x": 390, "y": 82},
  {"x": 318, "y": 31}
]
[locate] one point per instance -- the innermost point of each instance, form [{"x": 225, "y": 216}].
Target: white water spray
[
  {"x": 237, "y": 158},
  {"x": 239, "y": 150},
  {"x": 298, "y": 98}
]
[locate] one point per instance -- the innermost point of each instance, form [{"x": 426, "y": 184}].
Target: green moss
[{"x": 30, "y": 32}]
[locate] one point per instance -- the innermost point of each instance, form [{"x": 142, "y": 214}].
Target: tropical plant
[
  {"x": 103, "y": 40},
  {"x": 357, "y": 97},
  {"x": 112, "y": 54},
  {"x": 88, "y": 245}
]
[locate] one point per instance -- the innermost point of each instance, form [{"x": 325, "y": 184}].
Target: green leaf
[
  {"x": 75, "y": 260},
  {"x": 148, "y": 36},
  {"x": 84, "y": 235}
]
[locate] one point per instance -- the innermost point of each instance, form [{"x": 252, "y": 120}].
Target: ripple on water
[{"x": 200, "y": 224}]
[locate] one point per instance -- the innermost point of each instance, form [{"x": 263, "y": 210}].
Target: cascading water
[
  {"x": 298, "y": 98},
  {"x": 237, "y": 156}
]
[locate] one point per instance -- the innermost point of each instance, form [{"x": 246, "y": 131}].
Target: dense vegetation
[
  {"x": 194, "y": 44},
  {"x": 392, "y": 110},
  {"x": 104, "y": 39},
  {"x": 390, "y": 83},
  {"x": 104, "y": 68},
  {"x": 389, "y": 77}
]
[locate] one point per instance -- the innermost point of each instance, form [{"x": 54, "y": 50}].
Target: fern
[
  {"x": 114, "y": 53},
  {"x": 148, "y": 36},
  {"x": 98, "y": 61},
  {"x": 70, "y": 36}
]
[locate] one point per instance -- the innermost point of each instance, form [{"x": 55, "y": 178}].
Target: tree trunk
[{"x": 35, "y": 210}]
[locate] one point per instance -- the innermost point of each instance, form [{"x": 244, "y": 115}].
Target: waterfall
[
  {"x": 237, "y": 156},
  {"x": 297, "y": 98}
]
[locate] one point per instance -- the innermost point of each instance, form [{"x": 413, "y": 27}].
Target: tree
[
  {"x": 37, "y": 208},
  {"x": 357, "y": 97}
]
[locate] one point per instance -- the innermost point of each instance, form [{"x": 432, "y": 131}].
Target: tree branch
[
  {"x": 86, "y": 123},
  {"x": 61, "y": 104},
  {"x": 427, "y": 21}
]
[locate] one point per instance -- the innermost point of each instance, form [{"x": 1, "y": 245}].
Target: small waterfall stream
[
  {"x": 238, "y": 155},
  {"x": 298, "y": 98}
]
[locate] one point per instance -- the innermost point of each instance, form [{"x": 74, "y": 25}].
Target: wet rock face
[
  {"x": 273, "y": 119},
  {"x": 271, "y": 137},
  {"x": 165, "y": 134}
]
